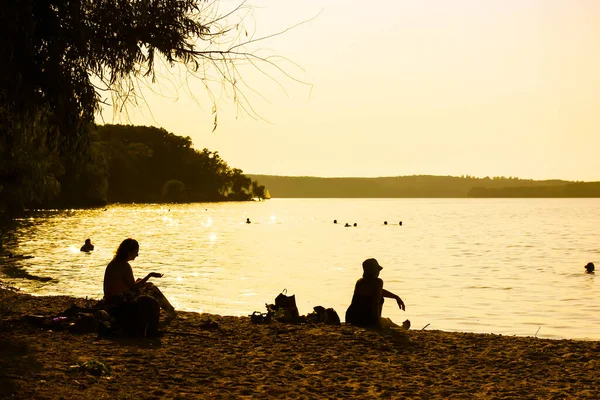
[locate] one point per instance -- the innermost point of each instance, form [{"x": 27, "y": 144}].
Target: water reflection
[
  {"x": 14, "y": 270},
  {"x": 459, "y": 264}
]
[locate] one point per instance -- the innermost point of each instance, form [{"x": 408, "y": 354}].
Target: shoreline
[
  {"x": 247, "y": 313},
  {"x": 212, "y": 356}
]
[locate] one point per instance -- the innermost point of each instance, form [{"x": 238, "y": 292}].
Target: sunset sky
[{"x": 478, "y": 87}]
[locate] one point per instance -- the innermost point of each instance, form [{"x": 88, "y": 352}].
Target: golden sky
[{"x": 397, "y": 87}]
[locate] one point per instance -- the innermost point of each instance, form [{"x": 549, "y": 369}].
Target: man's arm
[{"x": 391, "y": 295}]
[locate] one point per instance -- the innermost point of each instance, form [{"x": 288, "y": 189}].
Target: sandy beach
[{"x": 209, "y": 356}]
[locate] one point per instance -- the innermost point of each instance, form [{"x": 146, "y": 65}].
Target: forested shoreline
[
  {"x": 124, "y": 164},
  {"x": 140, "y": 164},
  {"x": 423, "y": 186},
  {"x": 63, "y": 61}
]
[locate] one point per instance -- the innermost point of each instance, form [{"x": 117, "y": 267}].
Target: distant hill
[{"x": 421, "y": 186}]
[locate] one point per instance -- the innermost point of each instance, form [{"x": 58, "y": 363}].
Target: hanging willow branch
[
  {"x": 60, "y": 60},
  {"x": 63, "y": 54}
]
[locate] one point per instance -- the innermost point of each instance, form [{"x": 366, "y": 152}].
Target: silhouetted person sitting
[
  {"x": 355, "y": 224},
  {"x": 87, "y": 246},
  {"x": 589, "y": 268},
  {"x": 121, "y": 289},
  {"x": 367, "y": 300},
  {"x": 248, "y": 221},
  {"x": 335, "y": 221}
]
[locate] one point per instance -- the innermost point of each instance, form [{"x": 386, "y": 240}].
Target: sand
[{"x": 203, "y": 356}]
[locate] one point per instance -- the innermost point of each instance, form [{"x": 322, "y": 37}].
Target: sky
[{"x": 398, "y": 87}]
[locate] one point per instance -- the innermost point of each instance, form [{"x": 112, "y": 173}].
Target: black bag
[
  {"x": 288, "y": 305},
  {"x": 145, "y": 319},
  {"x": 258, "y": 317},
  {"x": 324, "y": 315},
  {"x": 331, "y": 317}
]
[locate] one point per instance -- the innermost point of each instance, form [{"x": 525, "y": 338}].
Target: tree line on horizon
[{"x": 422, "y": 186}]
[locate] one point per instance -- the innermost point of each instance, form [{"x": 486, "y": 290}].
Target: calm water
[{"x": 509, "y": 266}]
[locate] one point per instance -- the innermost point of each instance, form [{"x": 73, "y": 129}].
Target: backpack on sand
[{"x": 145, "y": 317}]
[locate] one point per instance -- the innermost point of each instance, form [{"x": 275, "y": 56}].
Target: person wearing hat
[{"x": 367, "y": 300}]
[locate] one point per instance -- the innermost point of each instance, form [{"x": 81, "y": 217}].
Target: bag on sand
[
  {"x": 287, "y": 304},
  {"x": 324, "y": 315},
  {"x": 258, "y": 317},
  {"x": 144, "y": 318}
]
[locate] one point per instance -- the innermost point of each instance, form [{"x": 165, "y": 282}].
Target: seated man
[
  {"x": 367, "y": 301},
  {"x": 87, "y": 246}
]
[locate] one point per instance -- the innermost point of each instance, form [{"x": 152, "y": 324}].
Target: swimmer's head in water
[{"x": 589, "y": 267}]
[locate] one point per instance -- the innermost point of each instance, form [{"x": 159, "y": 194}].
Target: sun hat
[{"x": 371, "y": 265}]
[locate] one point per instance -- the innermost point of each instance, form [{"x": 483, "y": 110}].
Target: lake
[{"x": 505, "y": 266}]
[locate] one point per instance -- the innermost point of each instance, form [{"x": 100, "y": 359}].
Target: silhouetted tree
[
  {"x": 258, "y": 190},
  {"x": 174, "y": 191},
  {"x": 148, "y": 164},
  {"x": 60, "y": 58},
  {"x": 239, "y": 185}
]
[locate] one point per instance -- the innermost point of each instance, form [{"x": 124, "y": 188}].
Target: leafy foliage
[
  {"x": 174, "y": 191},
  {"x": 61, "y": 58},
  {"x": 148, "y": 164}
]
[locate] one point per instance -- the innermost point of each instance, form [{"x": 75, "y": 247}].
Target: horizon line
[{"x": 466, "y": 176}]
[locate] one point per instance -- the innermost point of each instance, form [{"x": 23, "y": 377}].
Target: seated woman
[
  {"x": 122, "y": 289},
  {"x": 367, "y": 300}
]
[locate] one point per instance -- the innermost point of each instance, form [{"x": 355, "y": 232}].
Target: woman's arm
[
  {"x": 391, "y": 295},
  {"x": 141, "y": 282},
  {"x": 130, "y": 280}
]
